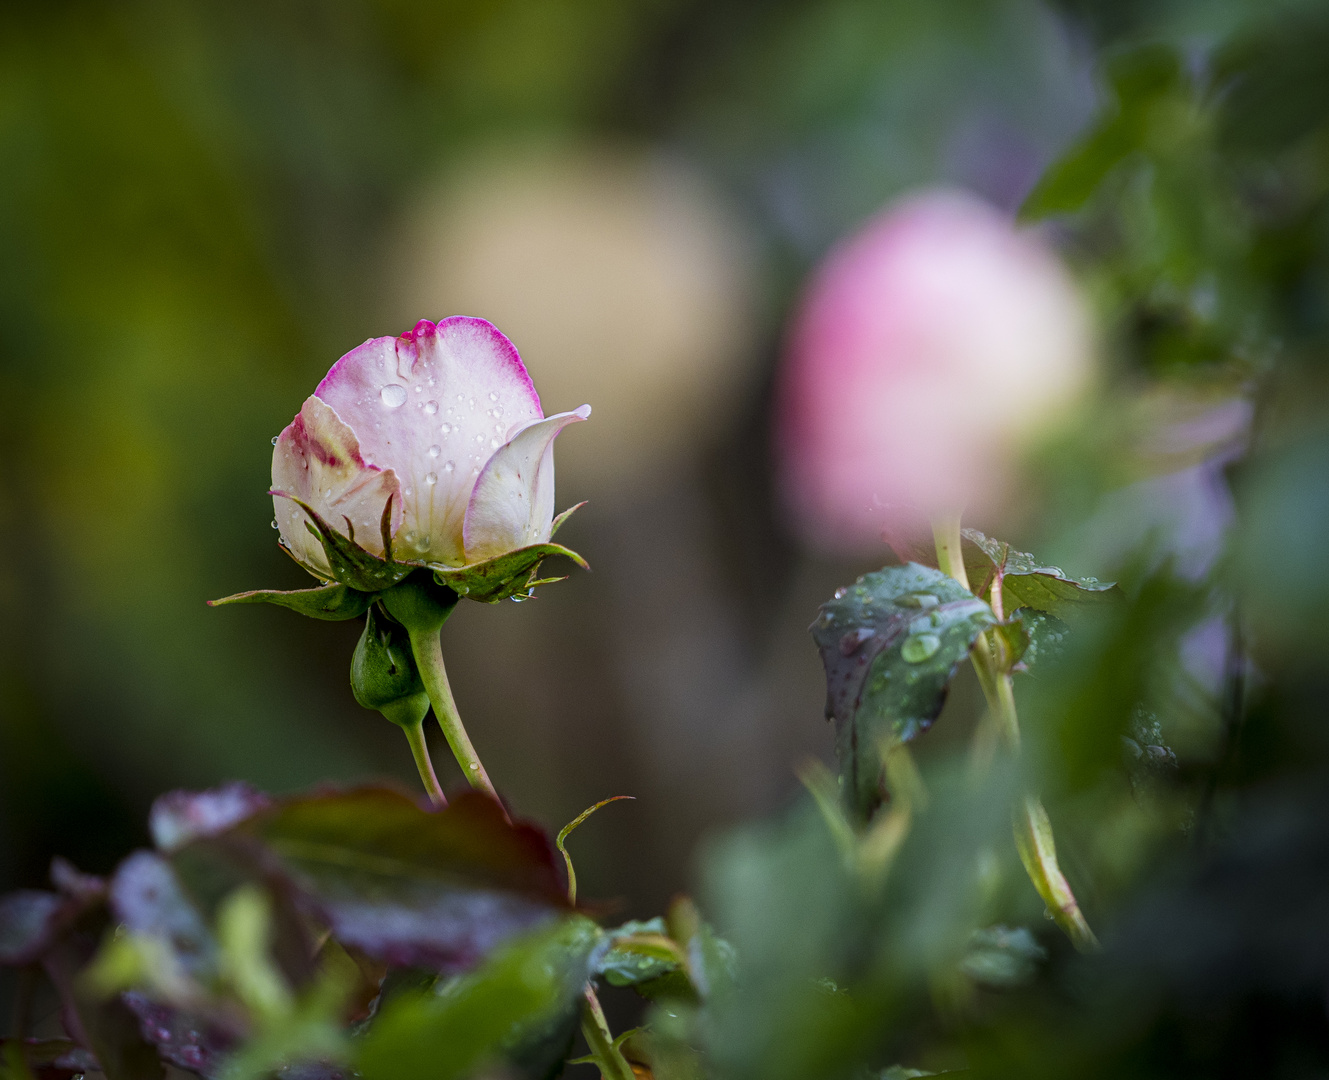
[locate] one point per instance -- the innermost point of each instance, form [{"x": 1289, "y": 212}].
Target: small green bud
[{"x": 383, "y": 672}]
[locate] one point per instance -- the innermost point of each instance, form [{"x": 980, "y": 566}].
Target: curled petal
[
  {"x": 512, "y": 505},
  {"x": 432, "y": 406},
  {"x": 318, "y": 460}
]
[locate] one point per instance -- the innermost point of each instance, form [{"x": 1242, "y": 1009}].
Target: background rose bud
[
  {"x": 928, "y": 347},
  {"x": 444, "y": 422}
]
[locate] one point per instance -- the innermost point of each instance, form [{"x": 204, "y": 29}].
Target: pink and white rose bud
[
  {"x": 445, "y": 422},
  {"x": 929, "y": 347}
]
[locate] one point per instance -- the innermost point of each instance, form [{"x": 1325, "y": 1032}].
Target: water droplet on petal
[
  {"x": 449, "y": 466},
  {"x": 480, "y": 438},
  {"x": 435, "y": 450},
  {"x": 431, "y": 478},
  {"x": 918, "y": 647},
  {"x": 274, "y": 523},
  {"x": 393, "y": 395},
  {"x": 446, "y": 429},
  {"x": 493, "y": 396},
  {"x": 431, "y": 407},
  {"x": 274, "y": 439}
]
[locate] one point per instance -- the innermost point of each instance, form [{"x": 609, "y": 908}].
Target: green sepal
[
  {"x": 557, "y": 523},
  {"x": 383, "y": 672},
  {"x": 891, "y": 644},
  {"x": 351, "y": 564},
  {"x": 332, "y": 603},
  {"x": 1027, "y": 583},
  {"x": 510, "y": 575}
]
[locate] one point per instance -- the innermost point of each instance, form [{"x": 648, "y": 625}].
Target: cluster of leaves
[{"x": 339, "y": 932}]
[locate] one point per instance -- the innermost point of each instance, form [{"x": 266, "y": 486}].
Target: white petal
[
  {"x": 318, "y": 460},
  {"x": 513, "y": 502}
]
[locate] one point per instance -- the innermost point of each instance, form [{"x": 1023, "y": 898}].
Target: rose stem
[
  {"x": 428, "y": 650},
  {"x": 415, "y": 735},
  {"x": 610, "y": 1060}
]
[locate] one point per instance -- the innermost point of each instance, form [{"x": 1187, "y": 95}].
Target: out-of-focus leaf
[
  {"x": 180, "y": 816},
  {"x": 1027, "y": 583},
  {"x": 636, "y": 958},
  {"x": 504, "y": 576},
  {"x": 43, "y": 1059},
  {"x": 890, "y": 645},
  {"x": 147, "y": 898},
  {"x": 29, "y": 920},
  {"x": 409, "y": 886},
  {"x": 182, "y": 1038},
  {"x": 1000, "y": 957},
  {"x": 1137, "y": 79},
  {"x": 519, "y": 999},
  {"x": 332, "y": 603}
]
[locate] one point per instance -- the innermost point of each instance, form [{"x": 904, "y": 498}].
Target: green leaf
[
  {"x": 512, "y": 574},
  {"x": 1032, "y": 637},
  {"x": 517, "y": 1001},
  {"x": 351, "y": 564},
  {"x": 640, "y": 956},
  {"x": 890, "y": 645},
  {"x": 332, "y": 603},
  {"x": 1138, "y": 80},
  {"x": 1027, "y": 583},
  {"x": 409, "y": 886}
]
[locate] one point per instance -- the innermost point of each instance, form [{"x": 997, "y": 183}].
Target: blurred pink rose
[
  {"x": 927, "y": 348},
  {"x": 445, "y": 421}
]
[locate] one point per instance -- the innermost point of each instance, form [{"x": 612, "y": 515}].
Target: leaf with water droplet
[
  {"x": 351, "y": 564},
  {"x": 1025, "y": 582},
  {"x": 889, "y": 657}
]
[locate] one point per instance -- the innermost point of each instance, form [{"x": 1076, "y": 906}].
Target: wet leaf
[
  {"x": 183, "y": 1039},
  {"x": 513, "y": 1010},
  {"x": 409, "y": 886},
  {"x": 43, "y": 1059},
  {"x": 180, "y": 816},
  {"x": 639, "y": 957},
  {"x": 332, "y": 603},
  {"x": 509, "y": 575},
  {"x": 890, "y": 645},
  {"x": 1027, "y": 583},
  {"x": 1032, "y": 637}
]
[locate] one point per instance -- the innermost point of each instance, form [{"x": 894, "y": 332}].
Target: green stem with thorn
[
  {"x": 607, "y": 1057},
  {"x": 1033, "y": 829}
]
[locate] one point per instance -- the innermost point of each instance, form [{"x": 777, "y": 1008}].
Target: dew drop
[
  {"x": 274, "y": 439},
  {"x": 918, "y": 647},
  {"x": 839, "y": 593},
  {"x": 435, "y": 450},
  {"x": 446, "y": 429},
  {"x": 448, "y": 466},
  {"x": 474, "y": 766},
  {"x": 419, "y": 389},
  {"x": 480, "y": 438},
  {"x": 471, "y": 403},
  {"x": 274, "y": 523},
  {"x": 431, "y": 407},
  {"x": 493, "y": 396},
  {"x": 431, "y": 478},
  {"x": 917, "y": 600},
  {"x": 393, "y": 395},
  {"x": 495, "y": 443}
]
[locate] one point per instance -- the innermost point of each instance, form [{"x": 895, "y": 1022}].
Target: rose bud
[
  {"x": 429, "y": 449},
  {"x": 928, "y": 349}
]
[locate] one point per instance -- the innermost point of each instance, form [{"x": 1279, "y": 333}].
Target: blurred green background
[{"x": 203, "y": 205}]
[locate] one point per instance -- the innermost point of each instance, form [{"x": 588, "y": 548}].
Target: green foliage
[
  {"x": 511, "y": 575},
  {"x": 518, "y": 1008},
  {"x": 1027, "y": 584}
]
